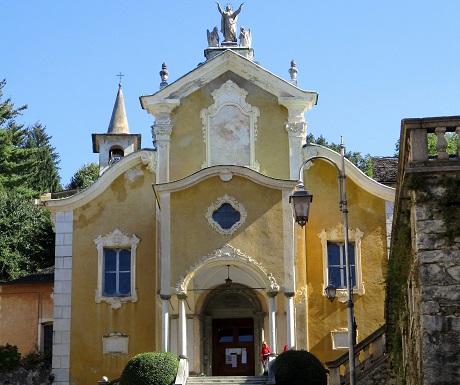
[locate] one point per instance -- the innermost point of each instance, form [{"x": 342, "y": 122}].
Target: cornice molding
[
  {"x": 145, "y": 157},
  {"x": 209, "y": 172}
]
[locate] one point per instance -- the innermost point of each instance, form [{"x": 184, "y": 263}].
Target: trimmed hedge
[
  {"x": 299, "y": 367},
  {"x": 152, "y": 368}
]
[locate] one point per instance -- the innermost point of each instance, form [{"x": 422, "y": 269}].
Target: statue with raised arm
[{"x": 228, "y": 22}]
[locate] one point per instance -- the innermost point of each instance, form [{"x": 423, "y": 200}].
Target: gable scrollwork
[
  {"x": 230, "y": 128},
  {"x": 150, "y": 160}
]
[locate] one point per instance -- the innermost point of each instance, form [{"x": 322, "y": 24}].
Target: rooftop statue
[
  {"x": 228, "y": 22},
  {"x": 213, "y": 38},
  {"x": 245, "y": 37}
]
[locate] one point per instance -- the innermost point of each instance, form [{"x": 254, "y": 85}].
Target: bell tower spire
[{"x": 117, "y": 142}]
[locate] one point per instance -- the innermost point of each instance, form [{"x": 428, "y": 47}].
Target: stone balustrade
[
  {"x": 368, "y": 353},
  {"x": 414, "y": 140}
]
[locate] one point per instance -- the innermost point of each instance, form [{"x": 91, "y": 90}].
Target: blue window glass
[
  {"x": 117, "y": 272},
  {"x": 226, "y": 216},
  {"x": 337, "y": 264}
]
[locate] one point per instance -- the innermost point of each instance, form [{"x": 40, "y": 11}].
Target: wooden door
[{"x": 233, "y": 347}]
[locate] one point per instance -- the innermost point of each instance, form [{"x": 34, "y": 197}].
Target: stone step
[{"x": 227, "y": 380}]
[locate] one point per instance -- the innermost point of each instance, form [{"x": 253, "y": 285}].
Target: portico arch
[{"x": 235, "y": 309}]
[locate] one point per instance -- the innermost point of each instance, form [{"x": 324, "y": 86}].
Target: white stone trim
[
  {"x": 145, "y": 157},
  {"x": 337, "y": 234},
  {"x": 116, "y": 239},
  {"x": 229, "y": 94},
  {"x": 228, "y": 61},
  {"x": 225, "y": 254},
  {"x": 63, "y": 225},
  {"x": 352, "y": 172},
  {"x": 210, "y": 172},
  {"x": 215, "y": 206}
]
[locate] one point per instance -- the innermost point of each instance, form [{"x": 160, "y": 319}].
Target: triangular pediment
[{"x": 227, "y": 61}]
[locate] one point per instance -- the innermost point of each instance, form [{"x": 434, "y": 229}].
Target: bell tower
[{"x": 117, "y": 142}]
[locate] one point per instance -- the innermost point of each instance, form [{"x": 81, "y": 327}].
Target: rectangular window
[
  {"x": 337, "y": 264},
  {"x": 48, "y": 338},
  {"x": 117, "y": 272}
]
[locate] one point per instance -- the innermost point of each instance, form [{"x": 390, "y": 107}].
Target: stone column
[
  {"x": 182, "y": 326},
  {"x": 290, "y": 334},
  {"x": 165, "y": 323},
  {"x": 273, "y": 342},
  {"x": 272, "y": 321}
]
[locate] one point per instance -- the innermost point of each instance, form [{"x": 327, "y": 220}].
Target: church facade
[{"x": 192, "y": 248}]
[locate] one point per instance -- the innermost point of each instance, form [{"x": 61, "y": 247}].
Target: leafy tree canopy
[
  {"x": 26, "y": 236},
  {"x": 84, "y": 177},
  {"x": 28, "y": 168},
  {"x": 364, "y": 163}
]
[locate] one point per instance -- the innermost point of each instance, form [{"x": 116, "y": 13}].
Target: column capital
[
  {"x": 182, "y": 296},
  {"x": 165, "y": 297},
  {"x": 289, "y": 294},
  {"x": 296, "y": 129},
  {"x": 272, "y": 294}
]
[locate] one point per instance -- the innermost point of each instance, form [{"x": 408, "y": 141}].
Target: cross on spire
[{"x": 120, "y": 75}]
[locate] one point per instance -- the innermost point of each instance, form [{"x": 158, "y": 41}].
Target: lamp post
[{"x": 300, "y": 201}]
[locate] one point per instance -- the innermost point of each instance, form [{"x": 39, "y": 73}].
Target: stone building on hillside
[
  {"x": 209, "y": 263},
  {"x": 423, "y": 312}
]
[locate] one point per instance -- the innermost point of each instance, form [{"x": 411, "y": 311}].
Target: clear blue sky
[{"x": 372, "y": 63}]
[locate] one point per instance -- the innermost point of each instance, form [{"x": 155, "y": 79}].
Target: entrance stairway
[{"x": 250, "y": 380}]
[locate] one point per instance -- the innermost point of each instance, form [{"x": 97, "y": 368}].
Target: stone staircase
[{"x": 250, "y": 380}]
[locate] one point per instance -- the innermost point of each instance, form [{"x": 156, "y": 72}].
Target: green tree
[
  {"x": 46, "y": 160},
  {"x": 364, "y": 163},
  {"x": 26, "y": 236},
  {"x": 84, "y": 177}
]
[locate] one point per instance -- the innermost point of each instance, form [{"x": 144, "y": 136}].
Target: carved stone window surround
[
  {"x": 115, "y": 239},
  {"x": 215, "y": 206},
  {"x": 337, "y": 234}
]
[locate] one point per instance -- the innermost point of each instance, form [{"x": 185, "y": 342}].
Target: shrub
[
  {"x": 10, "y": 358},
  {"x": 153, "y": 368},
  {"x": 36, "y": 359},
  {"x": 299, "y": 367}
]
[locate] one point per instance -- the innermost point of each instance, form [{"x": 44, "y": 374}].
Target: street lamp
[{"x": 301, "y": 200}]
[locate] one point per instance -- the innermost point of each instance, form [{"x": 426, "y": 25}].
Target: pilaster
[
  {"x": 62, "y": 297},
  {"x": 161, "y": 133}
]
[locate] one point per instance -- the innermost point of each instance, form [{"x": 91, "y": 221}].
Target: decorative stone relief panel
[
  {"x": 115, "y": 343},
  {"x": 230, "y": 128}
]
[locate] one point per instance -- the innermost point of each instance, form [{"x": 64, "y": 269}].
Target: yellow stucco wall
[
  {"x": 260, "y": 237},
  {"x": 127, "y": 204},
  {"x": 366, "y": 212},
  {"x": 23, "y": 308},
  {"x": 188, "y": 149}
]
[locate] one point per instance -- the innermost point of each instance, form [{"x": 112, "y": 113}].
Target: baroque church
[{"x": 190, "y": 246}]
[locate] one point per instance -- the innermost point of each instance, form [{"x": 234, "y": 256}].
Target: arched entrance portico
[
  {"x": 231, "y": 329},
  {"x": 247, "y": 305}
]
